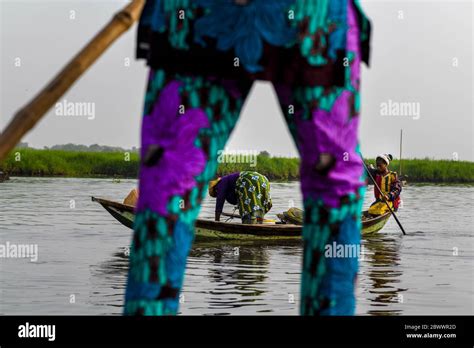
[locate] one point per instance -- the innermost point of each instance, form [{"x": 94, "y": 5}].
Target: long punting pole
[
  {"x": 400, "y": 158},
  {"x": 27, "y": 117}
]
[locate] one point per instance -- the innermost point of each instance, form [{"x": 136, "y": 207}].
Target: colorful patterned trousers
[{"x": 187, "y": 119}]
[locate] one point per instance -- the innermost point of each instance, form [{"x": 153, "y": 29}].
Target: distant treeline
[
  {"x": 32, "y": 162},
  {"x": 82, "y": 148}
]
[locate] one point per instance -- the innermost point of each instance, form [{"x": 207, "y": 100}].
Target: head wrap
[
  {"x": 386, "y": 158},
  {"x": 212, "y": 187}
]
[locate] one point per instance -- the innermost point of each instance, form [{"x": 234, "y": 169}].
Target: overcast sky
[{"x": 425, "y": 58}]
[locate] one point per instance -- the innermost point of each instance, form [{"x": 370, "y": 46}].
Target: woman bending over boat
[
  {"x": 249, "y": 190},
  {"x": 388, "y": 183}
]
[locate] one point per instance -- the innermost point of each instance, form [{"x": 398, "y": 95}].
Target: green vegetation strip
[{"x": 33, "y": 162}]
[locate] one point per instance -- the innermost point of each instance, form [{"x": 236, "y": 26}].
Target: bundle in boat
[
  {"x": 292, "y": 216},
  {"x": 132, "y": 198}
]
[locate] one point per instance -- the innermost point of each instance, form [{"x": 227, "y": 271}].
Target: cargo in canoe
[{"x": 209, "y": 229}]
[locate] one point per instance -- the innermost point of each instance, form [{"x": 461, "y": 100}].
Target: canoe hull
[
  {"x": 374, "y": 225},
  {"x": 214, "y": 230},
  {"x": 207, "y": 229},
  {"x": 126, "y": 218}
]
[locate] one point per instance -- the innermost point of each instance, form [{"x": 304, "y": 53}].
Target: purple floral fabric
[
  {"x": 334, "y": 132},
  {"x": 181, "y": 160}
]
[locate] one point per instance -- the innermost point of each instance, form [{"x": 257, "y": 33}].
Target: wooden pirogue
[{"x": 209, "y": 229}]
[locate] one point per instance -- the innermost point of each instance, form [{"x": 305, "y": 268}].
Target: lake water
[{"x": 82, "y": 267}]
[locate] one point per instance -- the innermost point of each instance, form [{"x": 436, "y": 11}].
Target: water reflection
[
  {"x": 221, "y": 279},
  {"x": 382, "y": 254},
  {"x": 230, "y": 278},
  {"x": 110, "y": 277},
  {"x": 236, "y": 275}
]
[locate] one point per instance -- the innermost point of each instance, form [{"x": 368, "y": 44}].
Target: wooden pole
[
  {"x": 27, "y": 117},
  {"x": 400, "y": 158}
]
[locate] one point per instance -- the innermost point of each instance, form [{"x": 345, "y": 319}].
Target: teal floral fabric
[{"x": 232, "y": 37}]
